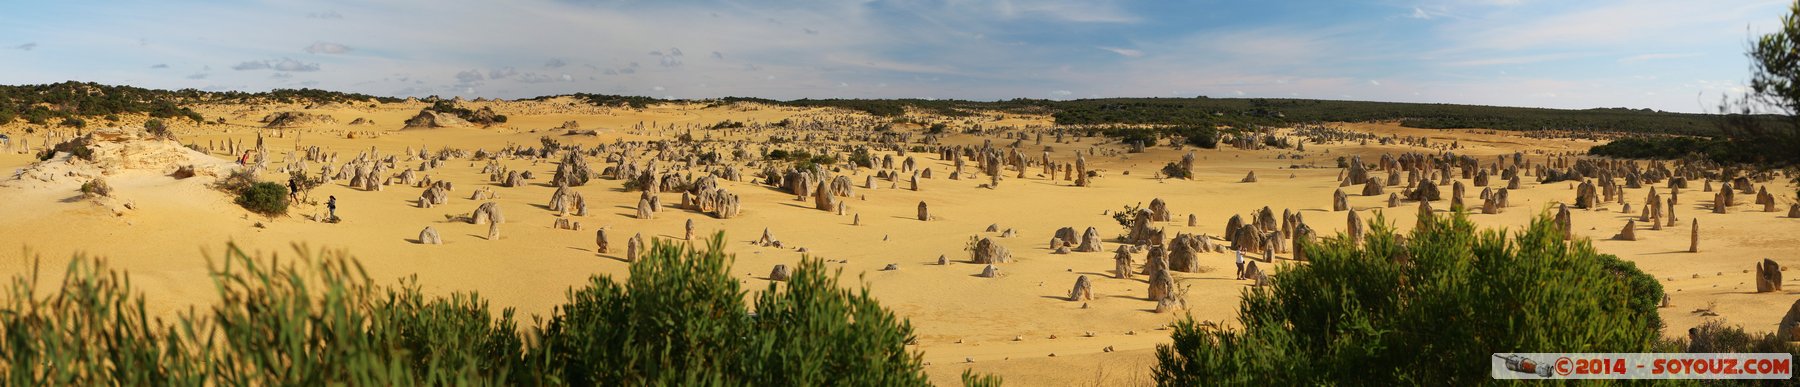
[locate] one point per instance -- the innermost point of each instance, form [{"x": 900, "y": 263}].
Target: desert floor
[{"x": 1020, "y": 325}]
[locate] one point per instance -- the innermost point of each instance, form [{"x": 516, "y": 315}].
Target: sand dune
[{"x": 1003, "y": 325}]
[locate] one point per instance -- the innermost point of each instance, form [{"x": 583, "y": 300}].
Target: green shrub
[
  {"x": 157, "y": 128},
  {"x": 1429, "y": 308},
  {"x": 727, "y": 124},
  {"x": 264, "y": 198},
  {"x": 237, "y": 181},
  {"x": 76, "y": 148},
  {"x": 861, "y": 158},
  {"x": 1203, "y": 137},
  {"x": 1173, "y": 170},
  {"x": 680, "y": 318}
]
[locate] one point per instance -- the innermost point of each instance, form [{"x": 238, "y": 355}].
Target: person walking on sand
[
  {"x": 293, "y": 190},
  {"x": 331, "y": 206},
  {"x": 1240, "y": 263}
]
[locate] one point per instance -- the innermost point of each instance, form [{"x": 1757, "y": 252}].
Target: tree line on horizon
[{"x": 43, "y": 104}]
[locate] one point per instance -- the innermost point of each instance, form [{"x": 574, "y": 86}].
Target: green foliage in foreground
[
  {"x": 680, "y": 318},
  {"x": 1426, "y": 308}
]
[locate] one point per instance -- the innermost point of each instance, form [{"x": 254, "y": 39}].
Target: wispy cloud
[
  {"x": 326, "y": 48},
  {"x": 1659, "y": 56},
  {"x": 1515, "y": 60},
  {"x": 283, "y": 64},
  {"x": 1588, "y": 53},
  {"x": 25, "y": 47},
  {"x": 1123, "y": 51}
]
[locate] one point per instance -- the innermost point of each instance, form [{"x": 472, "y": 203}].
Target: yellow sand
[{"x": 1004, "y": 325}]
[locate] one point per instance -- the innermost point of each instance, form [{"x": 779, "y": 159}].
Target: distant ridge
[{"x": 54, "y": 103}]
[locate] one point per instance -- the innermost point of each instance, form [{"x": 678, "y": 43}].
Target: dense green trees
[
  {"x": 1662, "y": 147},
  {"x": 1428, "y": 307},
  {"x": 679, "y": 318}
]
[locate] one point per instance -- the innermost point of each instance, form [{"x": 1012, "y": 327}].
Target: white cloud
[
  {"x": 326, "y": 48},
  {"x": 1374, "y": 82},
  {"x": 1126, "y": 52},
  {"x": 251, "y": 65},
  {"x": 469, "y": 76},
  {"x": 1516, "y": 60},
  {"x": 283, "y": 64},
  {"x": 1652, "y": 57},
  {"x": 286, "y": 64},
  {"x": 1419, "y": 13},
  {"x": 502, "y": 73}
]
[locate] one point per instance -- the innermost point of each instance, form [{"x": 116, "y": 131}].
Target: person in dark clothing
[
  {"x": 331, "y": 205},
  {"x": 293, "y": 190}
]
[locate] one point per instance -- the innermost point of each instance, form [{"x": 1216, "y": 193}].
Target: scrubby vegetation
[
  {"x": 1665, "y": 147},
  {"x": 1249, "y": 112},
  {"x": 1173, "y": 170},
  {"x": 1428, "y": 307},
  {"x": 77, "y": 148},
  {"x": 861, "y": 158},
  {"x": 71, "y": 103},
  {"x": 604, "y": 100},
  {"x": 482, "y": 117},
  {"x": 802, "y": 158},
  {"x": 679, "y": 318},
  {"x": 303, "y": 95},
  {"x": 727, "y": 124},
  {"x": 264, "y": 198},
  {"x": 1203, "y": 137}
]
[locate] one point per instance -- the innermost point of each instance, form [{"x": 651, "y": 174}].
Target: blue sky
[{"x": 1676, "y": 55}]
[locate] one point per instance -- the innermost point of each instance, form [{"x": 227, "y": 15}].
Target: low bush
[
  {"x": 1173, "y": 170},
  {"x": 76, "y": 148},
  {"x": 264, "y": 198}
]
